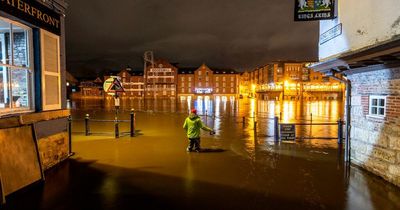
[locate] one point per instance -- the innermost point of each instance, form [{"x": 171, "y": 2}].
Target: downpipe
[{"x": 347, "y": 151}]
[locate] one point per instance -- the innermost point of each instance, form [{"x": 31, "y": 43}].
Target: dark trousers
[{"x": 194, "y": 144}]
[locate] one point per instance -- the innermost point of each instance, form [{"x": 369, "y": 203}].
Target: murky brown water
[{"x": 239, "y": 168}]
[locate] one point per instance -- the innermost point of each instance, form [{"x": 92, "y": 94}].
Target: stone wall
[{"x": 375, "y": 142}]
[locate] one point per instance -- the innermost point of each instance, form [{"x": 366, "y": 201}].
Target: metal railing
[{"x": 88, "y": 121}]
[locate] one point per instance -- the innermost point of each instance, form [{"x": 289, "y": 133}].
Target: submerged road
[{"x": 238, "y": 169}]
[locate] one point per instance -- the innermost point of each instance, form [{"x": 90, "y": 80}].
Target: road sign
[
  {"x": 288, "y": 132},
  {"x": 112, "y": 86}
]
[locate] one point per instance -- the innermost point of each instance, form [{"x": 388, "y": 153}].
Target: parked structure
[
  {"x": 368, "y": 56},
  {"x": 33, "y": 115}
]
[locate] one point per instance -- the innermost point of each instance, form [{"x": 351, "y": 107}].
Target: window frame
[
  {"x": 29, "y": 68},
  {"x": 377, "y": 97}
]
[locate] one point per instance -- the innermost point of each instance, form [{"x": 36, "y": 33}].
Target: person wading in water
[{"x": 192, "y": 126}]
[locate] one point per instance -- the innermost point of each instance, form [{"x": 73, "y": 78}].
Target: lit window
[
  {"x": 223, "y": 79},
  {"x": 377, "y": 106},
  {"x": 199, "y": 73},
  {"x": 190, "y": 79},
  {"x": 15, "y": 68}
]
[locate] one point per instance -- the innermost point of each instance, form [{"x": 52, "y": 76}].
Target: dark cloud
[{"x": 239, "y": 34}]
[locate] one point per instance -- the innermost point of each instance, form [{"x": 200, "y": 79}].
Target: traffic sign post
[{"x": 112, "y": 86}]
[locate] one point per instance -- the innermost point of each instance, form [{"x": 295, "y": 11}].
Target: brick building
[
  {"x": 371, "y": 63},
  {"x": 185, "y": 83},
  {"x": 206, "y": 82},
  {"x": 292, "y": 81},
  {"x": 133, "y": 82},
  {"x": 161, "y": 80}
]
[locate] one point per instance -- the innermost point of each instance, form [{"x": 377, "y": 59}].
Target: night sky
[{"x": 242, "y": 34}]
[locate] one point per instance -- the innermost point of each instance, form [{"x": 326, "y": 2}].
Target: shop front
[{"x": 33, "y": 119}]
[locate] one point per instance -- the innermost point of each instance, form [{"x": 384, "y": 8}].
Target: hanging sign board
[
  {"x": 308, "y": 10},
  {"x": 113, "y": 86},
  {"x": 160, "y": 70},
  {"x": 288, "y": 132},
  {"x": 33, "y": 12}
]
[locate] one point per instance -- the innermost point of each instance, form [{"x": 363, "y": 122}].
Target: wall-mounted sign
[
  {"x": 307, "y": 10},
  {"x": 33, "y": 12},
  {"x": 203, "y": 90},
  {"x": 330, "y": 34},
  {"x": 288, "y": 132},
  {"x": 160, "y": 70}
]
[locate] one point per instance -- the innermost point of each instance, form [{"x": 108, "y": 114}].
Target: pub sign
[{"x": 308, "y": 10}]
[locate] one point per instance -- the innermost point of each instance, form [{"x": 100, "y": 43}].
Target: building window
[
  {"x": 199, "y": 84},
  {"x": 223, "y": 90},
  {"x": 183, "y": 79},
  {"x": 190, "y": 79},
  {"x": 231, "y": 79},
  {"x": 217, "y": 90},
  {"x": 232, "y": 90},
  {"x": 199, "y": 73},
  {"x": 190, "y": 84},
  {"x": 223, "y": 79},
  {"x": 217, "y": 79},
  {"x": 189, "y": 90},
  {"x": 15, "y": 67},
  {"x": 183, "y": 90},
  {"x": 216, "y": 84},
  {"x": 206, "y": 84},
  {"x": 377, "y": 106}
]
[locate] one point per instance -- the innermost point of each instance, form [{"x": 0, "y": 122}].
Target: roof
[
  {"x": 187, "y": 70},
  {"x": 224, "y": 71},
  {"x": 384, "y": 55}
]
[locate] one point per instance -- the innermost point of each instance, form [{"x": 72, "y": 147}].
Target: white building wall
[{"x": 365, "y": 23}]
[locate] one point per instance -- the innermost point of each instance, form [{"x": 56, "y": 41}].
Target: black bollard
[
  {"x": 87, "y": 128},
  {"x": 132, "y": 122},
  {"x": 244, "y": 121},
  {"x": 70, "y": 134},
  {"x": 116, "y": 128},
  {"x": 340, "y": 131},
  {"x": 276, "y": 128}
]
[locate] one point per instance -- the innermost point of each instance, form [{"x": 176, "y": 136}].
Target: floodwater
[{"x": 239, "y": 168}]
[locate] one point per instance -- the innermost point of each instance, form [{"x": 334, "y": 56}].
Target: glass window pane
[
  {"x": 20, "y": 88},
  {"x": 5, "y": 40},
  {"x": 4, "y": 90},
  {"x": 374, "y": 110},
  {"x": 381, "y": 111},
  {"x": 381, "y": 102},
  {"x": 21, "y": 47},
  {"x": 374, "y": 102}
]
